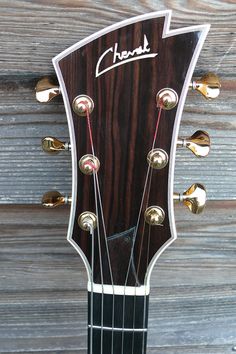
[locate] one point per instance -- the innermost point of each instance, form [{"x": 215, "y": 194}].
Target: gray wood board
[
  {"x": 43, "y": 284},
  {"x": 32, "y": 32}
]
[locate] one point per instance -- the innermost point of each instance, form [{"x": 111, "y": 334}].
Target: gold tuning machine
[
  {"x": 53, "y": 199},
  {"x": 52, "y": 145},
  {"x": 209, "y": 85},
  {"x": 194, "y": 198},
  {"x": 46, "y": 90},
  {"x": 199, "y": 143}
]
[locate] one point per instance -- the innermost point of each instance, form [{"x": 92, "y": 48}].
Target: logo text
[{"x": 120, "y": 58}]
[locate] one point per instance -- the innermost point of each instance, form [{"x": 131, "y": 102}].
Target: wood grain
[
  {"x": 27, "y": 172},
  {"x": 43, "y": 285},
  {"x": 42, "y": 281},
  {"x": 27, "y": 47},
  {"x": 42, "y": 29}
]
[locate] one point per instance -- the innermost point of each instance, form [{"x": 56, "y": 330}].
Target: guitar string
[
  {"x": 100, "y": 257},
  {"x": 91, "y": 295},
  {"x": 145, "y": 297},
  {"x": 147, "y": 259},
  {"x": 149, "y": 236},
  {"x": 98, "y": 193},
  {"x": 136, "y": 229},
  {"x": 143, "y": 230},
  {"x": 109, "y": 265},
  {"x": 137, "y": 273},
  {"x": 98, "y": 226},
  {"x": 96, "y": 182},
  {"x": 130, "y": 261},
  {"x": 134, "y": 305}
]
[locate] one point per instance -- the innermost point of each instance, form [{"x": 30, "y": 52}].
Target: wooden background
[{"x": 42, "y": 280}]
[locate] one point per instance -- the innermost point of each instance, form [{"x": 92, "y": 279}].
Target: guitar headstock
[{"x": 124, "y": 90}]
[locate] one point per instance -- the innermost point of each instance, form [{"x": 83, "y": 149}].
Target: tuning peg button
[
  {"x": 209, "y": 85},
  {"x": 46, "y": 90},
  {"x": 52, "y": 199},
  {"x": 199, "y": 143},
  {"x": 52, "y": 145},
  {"x": 194, "y": 198}
]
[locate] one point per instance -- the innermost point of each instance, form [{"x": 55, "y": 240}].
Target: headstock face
[{"x": 122, "y": 68}]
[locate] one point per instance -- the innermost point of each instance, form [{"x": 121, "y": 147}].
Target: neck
[{"x": 117, "y": 324}]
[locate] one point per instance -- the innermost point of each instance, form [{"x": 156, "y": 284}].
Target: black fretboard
[{"x": 118, "y": 324}]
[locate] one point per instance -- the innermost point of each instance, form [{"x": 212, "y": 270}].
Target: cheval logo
[{"x": 120, "y": 58}]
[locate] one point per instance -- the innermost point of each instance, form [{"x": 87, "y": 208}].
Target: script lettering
[{"x": 120, "y": 58}]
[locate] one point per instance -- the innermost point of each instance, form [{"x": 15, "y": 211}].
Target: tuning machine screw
[
  {"x": 167, "y": 98},
  {"x": 52, "y": 199},
  {"x": 87, "y": 221},
  {"x": 52, "y": 145},
  {"x": 209, "y": 85},
  {"x": 157, "y": 159},
  {"x": 89, "y": 164},
  {"x": 199, "y": 143},
  {"x": 154, "y": 215},
  {"x": 81, "y": 104},
  {"x": 194, "y": 198},
  {"x": 46, "y": 90}
]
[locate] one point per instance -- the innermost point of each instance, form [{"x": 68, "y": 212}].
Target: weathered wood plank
[
  {"x": 189, "y": 350},
  {"x": 43, "y": 284},
  {"x": 38, "y": 30},
  {"x": 193, "y": 301},
  {"x": 26, "y": 173}
]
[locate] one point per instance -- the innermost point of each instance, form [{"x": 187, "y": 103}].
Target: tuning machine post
[
  {"x": 53, "y": 199},
  {"x": 53, "y": 145},
  {"x": 194, "y": 198},
  {"x": 46, "y": 90},
  {"x": 209, "y": 85},
  {"x": 199, "y": 143}
]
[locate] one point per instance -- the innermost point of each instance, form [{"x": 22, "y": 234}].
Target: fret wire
[{"x": 119, "y": 329}]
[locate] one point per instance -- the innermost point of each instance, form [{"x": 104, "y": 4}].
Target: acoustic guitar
[{"x": 124, "y": 90}]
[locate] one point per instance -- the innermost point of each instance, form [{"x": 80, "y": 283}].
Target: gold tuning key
[
  {"x": 199, "y": 143},
  {"x": 209, "y": 85},
  {"x": 194, "y": 198},
  {"x": 52, "y": 145},
  {"x": 46, "y": 90},
  {"x": 53, "y": 199}
]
